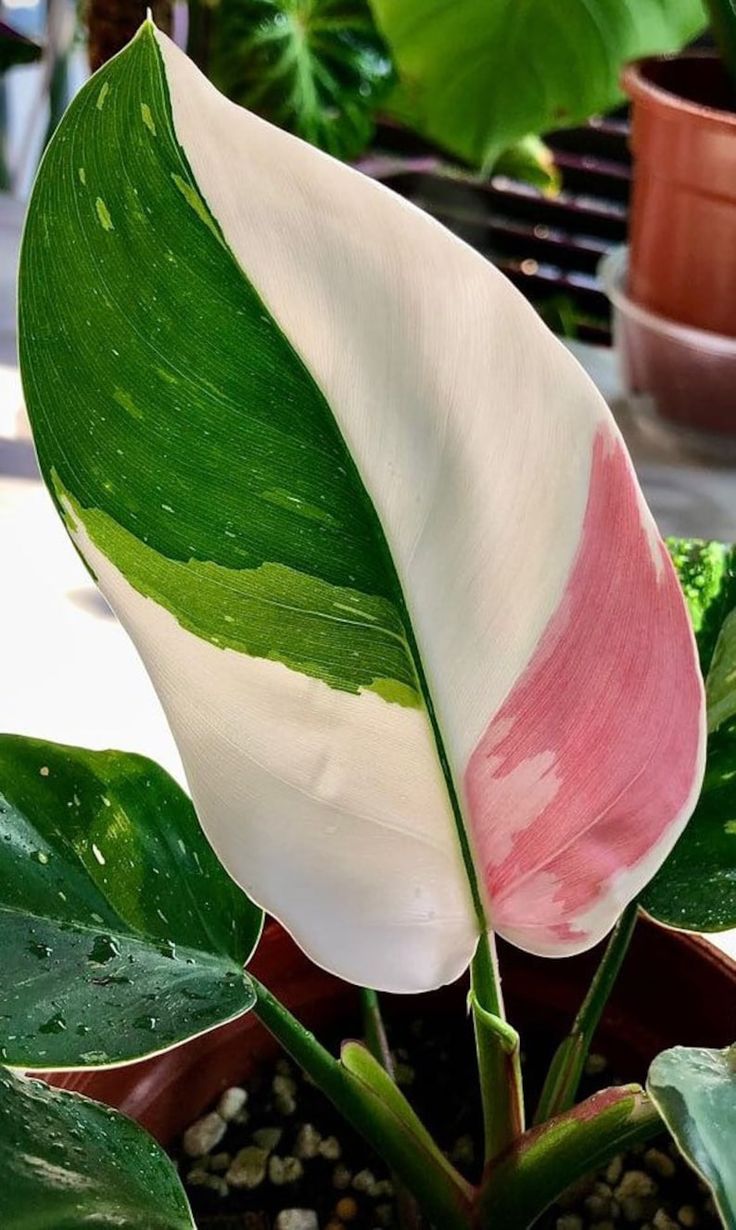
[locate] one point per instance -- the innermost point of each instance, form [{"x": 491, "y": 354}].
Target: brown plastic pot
[
  {"x": 682, "y": 262},
  {"x": 673, "y": 989}
]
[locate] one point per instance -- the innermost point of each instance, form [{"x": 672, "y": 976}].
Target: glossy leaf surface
[
  {"x": 120, "y": 933},
  {"x": 68, "y": 1162},
  {"x": 696, "y": 887},
  {"x": 374, "y": 533},
  {"x": 317, "y": 69},
  {"x": 695, "y": 1092},
  {"x": 478, "y": 75}
]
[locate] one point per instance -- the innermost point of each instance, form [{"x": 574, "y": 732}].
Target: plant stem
[
  {"x": 566, "y": 1069},
  {"x": 497, "y": 1046},
  {"x": 440, "y": 1190},
  {"x": 540, "y": 1166},
  {"x": 407, "y": 1210},
  {"x": 375, "y": 1030},
  {"x": 722, "y": 15}
]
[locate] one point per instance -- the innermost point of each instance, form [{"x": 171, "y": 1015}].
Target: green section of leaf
[
  {"x": 68, "y": 1162},
  {"x": 696, "y": 888},
  {"x": 721, "y": 681},
  {"x": 478, "y": 75},
  {"x": 695, "y": 1091},
  {"x": 341, "y": 636},
  {"x": 15, "y": 48},
  {"x": 318, "y": 68},
  {"x": 120, "y": 933},
  {"x": 257, "y": 533}
]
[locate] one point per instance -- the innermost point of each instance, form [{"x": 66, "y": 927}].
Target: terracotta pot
[
  {"x": 673, "y": 989},
  {"x": 683, "y": 213}
]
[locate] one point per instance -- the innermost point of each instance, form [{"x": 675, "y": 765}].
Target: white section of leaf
[
  {"x": 470, "y": 424},
  {"x": 362, "y": 867}
]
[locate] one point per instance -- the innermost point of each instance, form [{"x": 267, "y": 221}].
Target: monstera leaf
[
  {"x": 373, "y": 530},
  {"x": 317, "y": 69},
  {"x": 696, "y": 887},
  {"x": 68, "y": 1162},
  {"x": 478, "y": 75},
  {"x": 120, "y": 933}
]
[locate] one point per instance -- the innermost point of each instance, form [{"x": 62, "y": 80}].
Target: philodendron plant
[{"x": 427, "y": 661}]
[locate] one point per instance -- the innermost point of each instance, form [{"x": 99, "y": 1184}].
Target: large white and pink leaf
[{"x": 374, "y": 532}]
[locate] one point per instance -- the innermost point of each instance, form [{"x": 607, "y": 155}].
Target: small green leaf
[
  {"x": 696, "y": 888},
  {"x": 695, "y": 1092},
  {"x": 318, "y": 69},
  {"x": 68, "y": 1162},
  {"x": 533, "y": 161},
  {"x": 545, "y": 1161},
  {"x": 375, "y": 1080},
  {"x": 120, "y": 933}
]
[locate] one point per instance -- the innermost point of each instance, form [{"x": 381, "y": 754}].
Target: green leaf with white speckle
[
  {"x": 68, "y": 1162},
  {"x": 694, "y": 1090},
  {"x": 696, "y": 888},
  {"x": 120, "y": 934}
]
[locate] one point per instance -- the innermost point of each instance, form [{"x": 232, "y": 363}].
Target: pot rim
[
  {"x": 613, "y": 272},
  {"x": 646, "y": 93}
]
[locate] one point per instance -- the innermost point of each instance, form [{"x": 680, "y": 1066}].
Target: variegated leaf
[
  {"x": 372, "y": 529},
  {"x": 694, "y": 1090}
]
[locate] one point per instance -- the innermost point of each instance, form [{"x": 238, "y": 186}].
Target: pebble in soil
[{"x": 276, "y": 1156}]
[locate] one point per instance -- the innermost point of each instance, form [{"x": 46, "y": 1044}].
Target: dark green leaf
[
  {"x": 317, "y": 69},
  {"x": 120, "y": 933},
  {"x": 68, "y": 1162},
  {"x": 695, "y": 1092},
  {"x": 478, "y": 75},
  {"x": 696, "y": 888}
]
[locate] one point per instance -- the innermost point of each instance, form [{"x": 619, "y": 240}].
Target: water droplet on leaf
[
  {"x": 55, "y": 1025},
  {"x": 104, "y": 949}
]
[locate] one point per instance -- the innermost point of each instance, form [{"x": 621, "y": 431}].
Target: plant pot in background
[
  {"x": 679, "y": 375},
  {"x": 673, "y": 989},
  {"x": 683, "y": 211}
]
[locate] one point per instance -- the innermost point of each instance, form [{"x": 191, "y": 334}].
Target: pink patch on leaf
[{"x": 589, "y": 771}]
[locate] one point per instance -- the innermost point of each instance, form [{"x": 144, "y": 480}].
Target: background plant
[{"x": 482, "y": 80}]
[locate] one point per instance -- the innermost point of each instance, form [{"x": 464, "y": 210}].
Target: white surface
[{"x": 69, "y": 672}]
